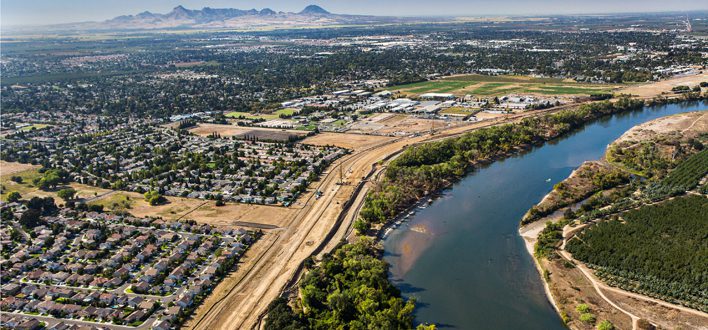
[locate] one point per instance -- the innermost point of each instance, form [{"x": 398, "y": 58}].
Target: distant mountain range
[{"x": 226, "y": 18}]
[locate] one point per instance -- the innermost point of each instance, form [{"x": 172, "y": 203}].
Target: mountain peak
[{"x": 314, "y": 10}]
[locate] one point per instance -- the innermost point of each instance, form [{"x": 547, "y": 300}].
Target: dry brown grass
[
  {"x": 7, "y": 168},
  {"x": 663, "y": 87},
  {"x": 570, "y": 288},
  {"x": 206, "y": 129},
  {"x": 687, "y": 125}
]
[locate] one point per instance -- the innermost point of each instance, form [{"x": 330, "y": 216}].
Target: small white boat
[{"x": 548, "y": 180}]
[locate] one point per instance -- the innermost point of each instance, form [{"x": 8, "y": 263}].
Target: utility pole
[{"x": 341, "y": 173}]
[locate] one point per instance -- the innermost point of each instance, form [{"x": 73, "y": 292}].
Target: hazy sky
[{"x": 40, "y": 12}]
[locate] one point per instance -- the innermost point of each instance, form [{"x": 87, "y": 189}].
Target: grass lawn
[
  {"x": 309, "y": 127},
  {"x": 248, "y": 115},
  {"x": 287, "y": 112},
  {"x": 33, "y": 127},
  {"x": 459, "y": 111},
  {"x": 115, "y": 201},
  {"x": 581, "y": 89},
  {"x": 266, "y": 116},
  {"x": 500, "y": 85},
  {"x": 23, "y": 188}
]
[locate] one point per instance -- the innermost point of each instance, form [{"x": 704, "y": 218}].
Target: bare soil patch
[
  {"x": 570, "y": 288},
  {"x": 346, "y": 140},
  {"x": 687, "y": 125},
  {"x": 653, "y": 89},
  {"x": 202, "y": 211},
  {"x": 247, "y": 132},
  {"x": 662, "y": 316},
  {"x": 400, "y": 125}
]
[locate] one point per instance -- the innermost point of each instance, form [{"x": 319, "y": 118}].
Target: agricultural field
[
  {"x": 688, "y": 173},
  {"x": 490, "y": 86},
  {"x": 658, "y": 250}
]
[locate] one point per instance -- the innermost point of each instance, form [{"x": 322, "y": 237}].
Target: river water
[{"x": 462, "y": 258}]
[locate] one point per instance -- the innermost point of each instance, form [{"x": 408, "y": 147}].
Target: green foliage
[
  {"x": 582, "y": 308},
  {"x": 684, "y": 177},
  {"x": 658, "y": 250},
  {"x": 605, "y": 325},
  {"x": 154, "y": 198},
  {"x": 51, "y": 178},
  {"x": 281, "y": 316},
  {"x": 66, "y": 193},
  {"x": 587, "y": 317},
  {"x": 549, "y": 238},
  {"x": 608, "y": 179},
  {"x": 565, "y": 317},
  {"x": 361, "y": 226},
  {"x": 431, "y": 166},
  {"x": 31, "y": 218},
  {"x": 348, "y": 290},
  {"x": 13, "y": 197}
]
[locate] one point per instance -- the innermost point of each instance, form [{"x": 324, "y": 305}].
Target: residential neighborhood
[
  {"x": 95, "y": 268},
  {"x": 144, "y": 157}
]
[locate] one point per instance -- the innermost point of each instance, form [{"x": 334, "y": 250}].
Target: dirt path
[
  {"x": 597, "y": 286},
  {"x": 600, "y": 286}
]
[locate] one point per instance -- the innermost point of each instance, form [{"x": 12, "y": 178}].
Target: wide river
[{"x": 462, "y": 258}]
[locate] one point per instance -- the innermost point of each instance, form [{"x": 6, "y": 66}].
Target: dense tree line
[
  {"x": 657, "y": 249},
  {"x": 349, "y": 289},
  {"x": 431, "y": 166}
]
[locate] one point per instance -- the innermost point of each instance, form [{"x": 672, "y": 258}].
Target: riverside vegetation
[
  {"x": 646, "y": 236},
  {"x": 350, "y": 287},
  {"x": 432, "y": 166}
]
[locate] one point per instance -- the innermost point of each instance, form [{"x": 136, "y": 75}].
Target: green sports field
[{"x": 487, "y": 86}]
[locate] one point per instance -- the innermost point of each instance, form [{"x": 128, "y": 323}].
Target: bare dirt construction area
[
  {"x": 243, "y": 215},
  {"x": 653, "y": 89},
  {"x": 400, "y": 125},
  {"x": 346, "y": 140},
  {"x": 270, "y": 134}
]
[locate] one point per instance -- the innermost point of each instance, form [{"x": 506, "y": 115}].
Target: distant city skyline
[{"x": 43, "y": 12}]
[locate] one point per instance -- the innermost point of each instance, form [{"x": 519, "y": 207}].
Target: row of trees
[
  {"x": 431, "y": 166},
  {"x": 657, "y": 249}
]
